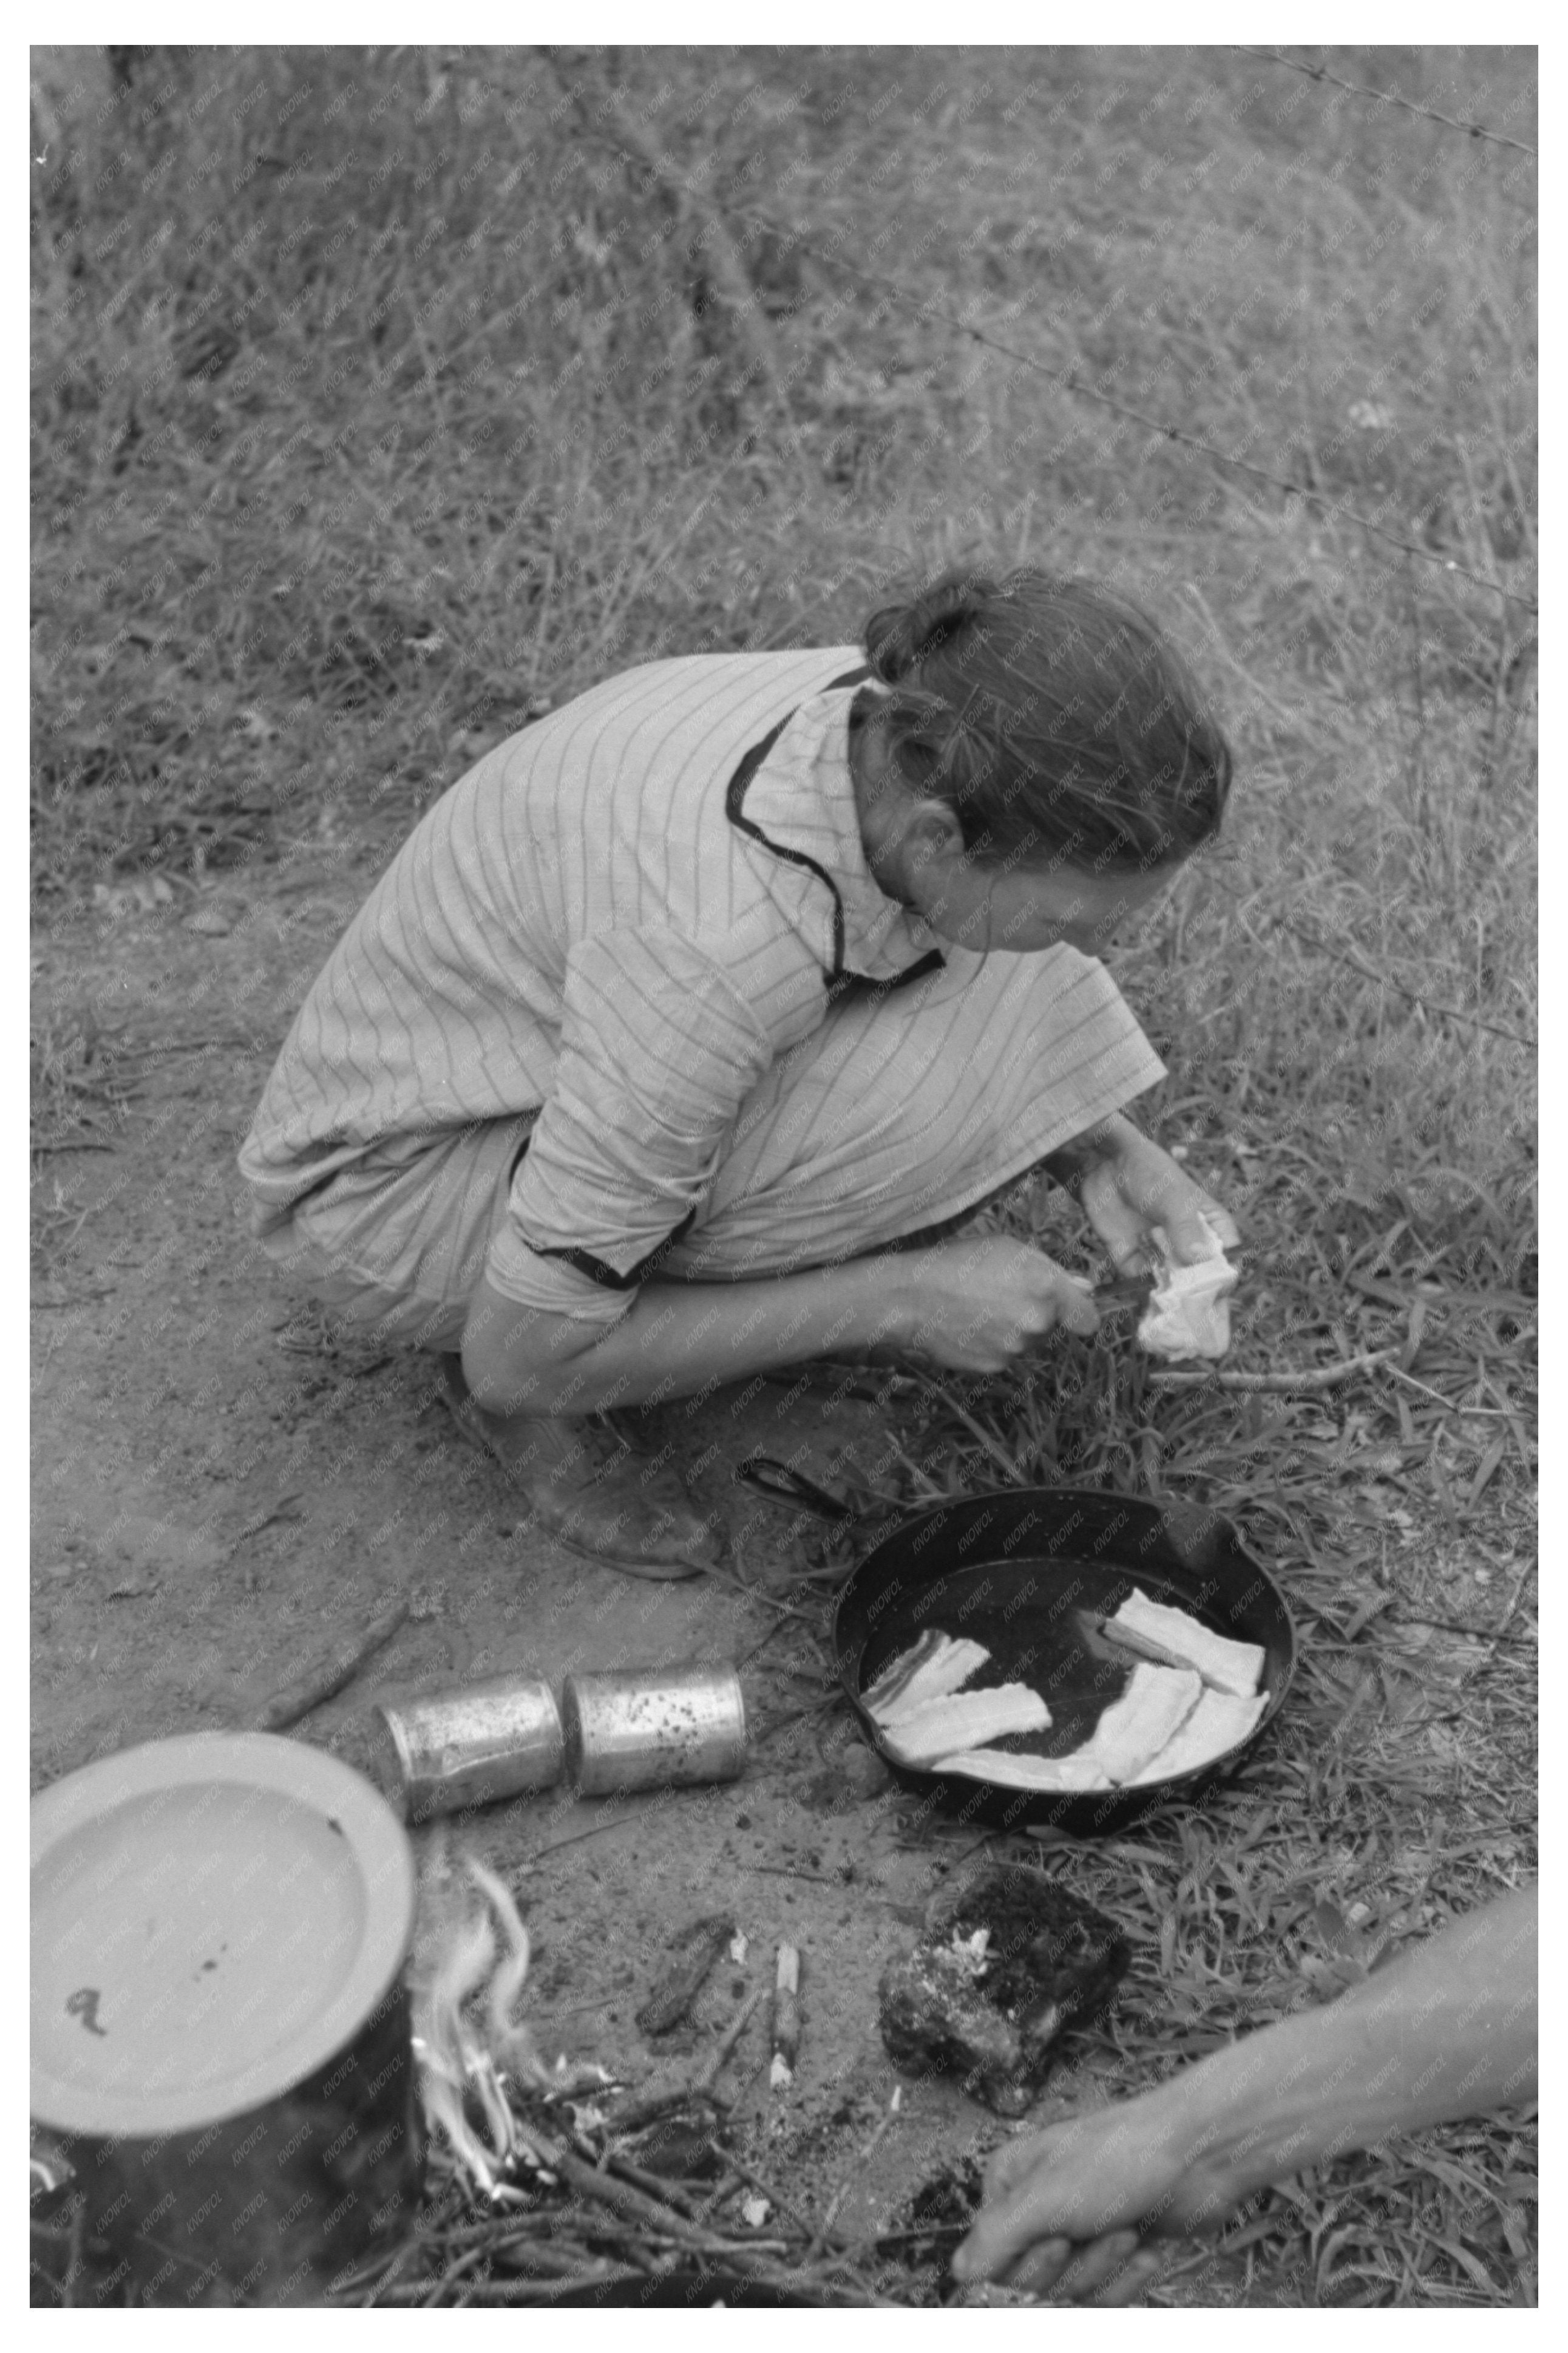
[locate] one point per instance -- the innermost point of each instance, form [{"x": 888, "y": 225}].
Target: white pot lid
[{"x": 213, "y": 1918}]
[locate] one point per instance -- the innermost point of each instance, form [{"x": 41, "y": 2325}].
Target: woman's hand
[
  {"x": 1127, "y": 1185},
  {"x": 981, "y": 1305}
]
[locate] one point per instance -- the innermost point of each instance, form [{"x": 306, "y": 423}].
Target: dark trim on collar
[
  {"x": 838, "y": 980},
  {"x": 750, "y": 762},
  {"x": 856, "y": 984}
]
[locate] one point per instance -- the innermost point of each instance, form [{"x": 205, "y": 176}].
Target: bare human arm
[
  {"x": 1126, "y": 1185},
  {"x": 977, "y": 1305},
  {"x": 630, "y": 1133},
  {"x": 1448, "y": 2030}
]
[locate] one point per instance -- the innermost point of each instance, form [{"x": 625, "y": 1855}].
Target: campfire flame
[{"x": 468, "y": 2041}]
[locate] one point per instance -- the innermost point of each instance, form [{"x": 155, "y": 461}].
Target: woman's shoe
[{"x": 600, "y": 1505}]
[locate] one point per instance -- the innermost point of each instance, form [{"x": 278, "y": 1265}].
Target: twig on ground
[
  {"x": 578, "y": 1836},
  {"x": 328, "y": 1677},
  {"x": 460, "y": 2269},
  {"x": 660, "y": 2219},
  {"x": 1319, "y": 1377},
  {"x": 1471, "y": 1633},
  {"x": 596, "y": 2276},
  {"x": 709, "y": 2073},
  {"x": 637, "y": 2108},
  {"x": 780, "y": 2204},
  {"x": 386, "y": 2277},
  {"x": 820, "y": 2236},
  {"x": 654, "y": 2183}
]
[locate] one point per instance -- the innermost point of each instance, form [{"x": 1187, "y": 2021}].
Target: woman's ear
[{"x": 933, "y": 833}]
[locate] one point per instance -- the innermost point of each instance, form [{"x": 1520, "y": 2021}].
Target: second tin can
[
  {"x": 472, "y": 1745},
  {"x": 652, "y": 1728}
]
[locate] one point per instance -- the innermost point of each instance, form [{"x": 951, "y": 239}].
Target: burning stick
[
  {"x": 637, "y": 2108},
  {"x": 786, "y": 2019}
]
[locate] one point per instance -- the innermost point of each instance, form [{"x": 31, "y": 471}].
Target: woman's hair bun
[
  {"x": 1053, "y": 720},
  {"x": 900, "y": 636}
]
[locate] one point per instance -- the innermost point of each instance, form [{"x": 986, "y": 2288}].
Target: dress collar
[{"x": 793, "y": 796}]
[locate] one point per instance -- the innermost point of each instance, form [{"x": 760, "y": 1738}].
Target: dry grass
[{"x": 378, "y": 400}]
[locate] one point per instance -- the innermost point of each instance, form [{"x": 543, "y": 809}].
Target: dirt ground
[{"x": 223, "y": 1490}]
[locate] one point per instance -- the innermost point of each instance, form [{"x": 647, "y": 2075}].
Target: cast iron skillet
[{"x": 1025, "y": 1570}]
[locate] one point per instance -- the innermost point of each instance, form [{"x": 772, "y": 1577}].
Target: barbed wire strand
[
  {"x": 1384, "y": 98},
  {"x": 1385, "y": 980},
  {"x": 1075, "y": 383},
  {"x": 921, "y": 307},
  {"x": 648, "y": 159}
]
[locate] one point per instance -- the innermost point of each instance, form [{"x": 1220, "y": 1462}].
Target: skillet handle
[{"x": 771, "y": 1477}]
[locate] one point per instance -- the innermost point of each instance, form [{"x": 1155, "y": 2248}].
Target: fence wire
[
  {"x": 645, "y": 159},
  {"x": 1384, "y": 98},
  {"x": 921, "y": 307}
]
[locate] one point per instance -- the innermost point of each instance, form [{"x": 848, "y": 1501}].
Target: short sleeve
[{"x": 658, "y": 1050}]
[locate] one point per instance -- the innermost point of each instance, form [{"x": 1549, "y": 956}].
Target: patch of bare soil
[{"x": 224, "y": 1488}]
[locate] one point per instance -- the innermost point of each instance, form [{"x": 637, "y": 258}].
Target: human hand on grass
[
  {"x": 1127, "y": 1187},
  {"x": 1447, "y": 2030},
  {"x": 981, "y": 1305},
  {"x": 1067, "y": 2211}
]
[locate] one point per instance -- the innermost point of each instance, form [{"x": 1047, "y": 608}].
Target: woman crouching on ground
[{"x": 685, "y": 1031}]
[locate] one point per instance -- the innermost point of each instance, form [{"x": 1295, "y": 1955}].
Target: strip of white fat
[
  {"x": 938, "y": 1666},
  {"x": 1156, "y": 1704},
  {"x": 1229, "y": 1666},
  {"x": 1217, "y": 1724},
  {"x": 967, "y": 1720}
]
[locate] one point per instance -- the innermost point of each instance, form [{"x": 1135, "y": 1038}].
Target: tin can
[
  {"x": 470, "y": 1747},
  {"x": 652, "y": 1728}
]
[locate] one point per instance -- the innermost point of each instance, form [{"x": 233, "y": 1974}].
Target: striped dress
[{"x": 630, "y": 998}]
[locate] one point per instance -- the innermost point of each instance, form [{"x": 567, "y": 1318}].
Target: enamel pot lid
[{"x": 213, "y": 1918}]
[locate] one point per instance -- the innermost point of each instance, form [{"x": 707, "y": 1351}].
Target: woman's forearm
[
  {"x": 680, "y": 1339},
  {"x": 1447, "y": 2030}
]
